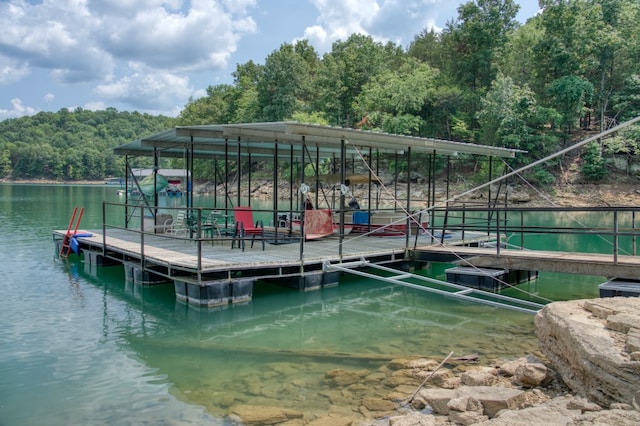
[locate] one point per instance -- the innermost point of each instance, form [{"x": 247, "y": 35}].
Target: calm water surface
[{"x": 79, "y": 345}]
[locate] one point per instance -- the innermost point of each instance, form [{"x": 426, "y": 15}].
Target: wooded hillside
[{"x": 484, "y": 79}]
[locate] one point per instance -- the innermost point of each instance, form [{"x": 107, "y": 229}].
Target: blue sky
[{"x": 153, "y": 55}]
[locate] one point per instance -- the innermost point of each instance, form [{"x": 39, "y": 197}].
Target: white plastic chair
[{"x": 177, "y": 225}]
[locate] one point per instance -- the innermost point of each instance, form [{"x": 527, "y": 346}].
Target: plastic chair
[
  {"x": 210, "y": 224},
  {"x": 246, "y": 227},
  {"x": 177, "y": 225}
]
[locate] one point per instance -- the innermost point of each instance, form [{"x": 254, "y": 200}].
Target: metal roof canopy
[{"x": 261, "y": 139}]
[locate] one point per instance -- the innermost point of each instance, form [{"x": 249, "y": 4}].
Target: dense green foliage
[
  {"x": 484, "y": 79},
  {"x": 71, "y": 145}
]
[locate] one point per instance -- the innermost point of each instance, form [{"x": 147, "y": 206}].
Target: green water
[{"x": 79, "y": 345}]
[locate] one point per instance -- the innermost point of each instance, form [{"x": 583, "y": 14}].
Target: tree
[
  {"x": 282, "y": 85},
  {"x": 518, "y": 59},
  {"x": 570, "y": 96},
  {"x": 596, "y": 40},
  {"x": 479, "y": 34},
  {"x": 394, "y": 99},
  {"x": 345, "y": 70},
  {"x": 211, "y": 109},
  {"x": 626, "y": 102},
  {"x": 510, "y": 117}
]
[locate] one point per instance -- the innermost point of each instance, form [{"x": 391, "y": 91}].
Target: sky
[{"x": 152, "y": 56}]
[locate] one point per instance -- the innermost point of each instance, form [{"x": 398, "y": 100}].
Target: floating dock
[{"x": 208, "y": 272}]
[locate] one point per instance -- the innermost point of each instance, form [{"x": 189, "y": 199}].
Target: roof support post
[
  {"x": 377, "y": 179},
  {"x": 126, "y": 191},
  {"x": 370, "y": 175},
  {"x": 239, "y": 180},
  {"x": 156, "y": 166},
  {"x": 409, "y": 219},
  {"x": 300, "y": 204},
  {"x": 275, "y": 189},
  {"x": 290, "y": 182},
  {"x": 317, "y": 174},
  {"x": 343, "y": 165},
  {"x": 395, "y": 181},
  {"x": 215, "y": 181},
  {"x": 226, "y": 174},
  {"x": 490, "y": 179},
  {"x": 189, "y": 169},
  {"x": 249, "y": 179}
]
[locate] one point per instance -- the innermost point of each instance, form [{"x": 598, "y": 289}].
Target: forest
[{"x": 572, "y": 69}]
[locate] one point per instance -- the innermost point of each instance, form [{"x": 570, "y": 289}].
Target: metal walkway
[{"x": 451, "y": 290}]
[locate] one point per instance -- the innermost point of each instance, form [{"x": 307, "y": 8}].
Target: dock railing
[
  {"x": 201, "y": 225},
  {"x": 603, "y": 230}
]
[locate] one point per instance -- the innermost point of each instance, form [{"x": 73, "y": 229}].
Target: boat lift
[{"x": 455, "y": 290}]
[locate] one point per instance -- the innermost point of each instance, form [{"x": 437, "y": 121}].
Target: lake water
[{"x": 79, "y": 345}]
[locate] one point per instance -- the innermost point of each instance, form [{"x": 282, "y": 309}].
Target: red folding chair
[{"x": 246, "y": 228}]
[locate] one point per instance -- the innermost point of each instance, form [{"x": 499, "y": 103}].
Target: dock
[
  {"x": 209, "y": 272},
  {"x": 321, "y": 170},
  {"x": 596, "y": 264}
]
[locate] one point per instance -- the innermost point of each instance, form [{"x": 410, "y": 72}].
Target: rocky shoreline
[
  {"x": 620, "y": 193},
  {"x": 591, "y": 376}
]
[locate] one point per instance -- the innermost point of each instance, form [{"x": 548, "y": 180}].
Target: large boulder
[{"x": 591, "y": 344}]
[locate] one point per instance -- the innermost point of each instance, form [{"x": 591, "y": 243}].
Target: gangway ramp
[{"x": 429, "y": 284}]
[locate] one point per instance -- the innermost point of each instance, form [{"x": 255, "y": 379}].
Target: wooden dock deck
[
  {"x": 217, "y": 256},
  {"x": 208, "y": 271},
  {"x": 596, "y": 264}
]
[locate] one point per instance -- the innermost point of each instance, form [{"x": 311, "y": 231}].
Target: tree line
[{"x": 484, "y": 79}]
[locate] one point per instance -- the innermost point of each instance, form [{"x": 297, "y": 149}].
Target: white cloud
[
  {"x": 398, "y": 21},
  {"x": 95, "y": 106},
  {"x": 147, "y": 89},
  {"x": 52, "y": 36},
  {"x": 202, "y": 37},
  {"x": 49, "y": 97},
  {"x": 94, "y": 41},
  {"x": 10, "y": 71},
  {"x": 17, "y": 110}
]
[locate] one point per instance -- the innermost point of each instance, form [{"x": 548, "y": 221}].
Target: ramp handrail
[{"x": 463, "y": 293}]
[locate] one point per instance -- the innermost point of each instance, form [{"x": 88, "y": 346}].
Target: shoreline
[{"x": 620, "y": 194}]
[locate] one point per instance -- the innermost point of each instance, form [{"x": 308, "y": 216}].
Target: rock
[
  {"x": 333, "y": 420},
  {"x": 633, "y": 340},
  {"x": 531, "y": 375},
  {"x": 443, "y": 378},
  {"x": 582, "y": 404},
  {"x": 467, "y": 417},
  {"x": 509, "y": 368},
  {"x": 589, "y": 356},
  {"x": 480, "y": 376},
  {"x": 423, "y": 364},
  {"x": 493, "y": 399},
  {"x": 263, "y": 415},
  {"x": 341, "y": 378},
  {"x": 552, "y": 413},
  {"x": 413, "y": 419},
  {"x": 438, "y": 399},
  {"x": 400, "y": 363},
  {"x": 610, "y": 417},
  {"x": 378, "y": 404},
  {"x": 465, "y": 403}
]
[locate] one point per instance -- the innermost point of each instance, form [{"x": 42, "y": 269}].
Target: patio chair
[
  {"x": 210, "y": 225},
  {"x": 246, "y": 227},
  {"x": 177, "y": 225}
]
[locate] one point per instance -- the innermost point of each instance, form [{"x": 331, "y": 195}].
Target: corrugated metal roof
[{"x": 261, "y": 139}]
